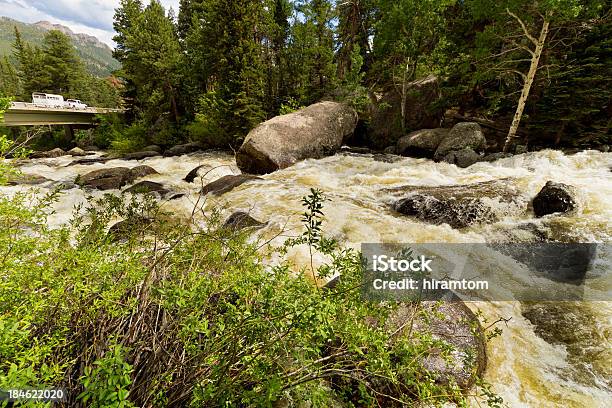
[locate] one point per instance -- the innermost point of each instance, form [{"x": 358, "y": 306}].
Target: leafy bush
[
  {"x": 109, "y": 129},
  {"x": 130, "y": 139},
  {"x": 290, "y": 106}
]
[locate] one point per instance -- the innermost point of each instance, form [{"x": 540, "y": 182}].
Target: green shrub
[
  {"x": 207, "y": 128},
  {"x": 130, "y": 139},
  {"x": 108, "y": 129},
  {"x": 291, "y": 105}
]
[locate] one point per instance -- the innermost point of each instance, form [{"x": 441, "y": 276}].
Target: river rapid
[{"x": 561, "y": 356}]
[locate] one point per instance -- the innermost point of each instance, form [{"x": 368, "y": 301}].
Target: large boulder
[
  {"x": 145, "y": 187},
  {"x": 554, "y": 198},
  {"x": 142, "y": 171},
  {"x": 421, "y": 143},
  {"x": 462, "y": 158},
  {"x": 48, "y": 154},
  {"x": 183, "y": 149},
  {"x": 385, "y": 125},
  {"x": 241, "y": 220},
  {"x": 90, "y": 160},
  {"x": 313, "y": 132},
  {"x": 193, "y": 174},
  {"x": 26, "y": 179},
  {"x": 454, "y": 324},
  {"x": 106, "y": 179},
  {"x": 141, "y": 155},
  {"x": 459, "y": 205},
  {"x": 462, "y": 136},
  {"x": 227, "y": 183},
  {"x": 78, "y": 152}
]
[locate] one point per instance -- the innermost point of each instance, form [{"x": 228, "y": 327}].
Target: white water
[{"x": 524, "y": 369}]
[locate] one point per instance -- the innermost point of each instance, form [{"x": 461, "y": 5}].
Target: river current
[{"x": 533, "y": 363}]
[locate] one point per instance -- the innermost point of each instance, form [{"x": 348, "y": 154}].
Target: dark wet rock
[
  {"x": 27, "y": 179},
  {"x": 191, "y": 176},
  {"x": 106, "y": 179},
  {"x": 227, "y": 183},
  {"x": 355, "y": 150},
  {"x": 152, "y": 148},
  {"x": 385, "y": 125},
  {"x": 387, "y": 158},
  {"x": 390, "y": 150},
  {"x": 462, "y": 158},
  {"x": 462, "y": 136},
  {"x": 520, "y": 149},
  {"x": 495, "y": 156},
  {"x": 141, "y": 155},
  {"x": 142, "y": 171},
  {"x": 92, "y": 160},
  {"x": 48, "y": 154},
  {"x": 132, "y": 227},
  {"x": 554, "y": 198},
  {"x": 176, "y": 196},
  {"x": 107, "y": 183},
  {"x": 459, "y": 205},
  {"x": 560, "y": 262},
  {"x": 310, "y": 133},
  {"x": 78, "y": 152},
  {"x": 183, "y": 149},
  {"x": 144, "y": 187},
  {"x": 422, "y": 143},
  {"x": 241, "y": 220}
]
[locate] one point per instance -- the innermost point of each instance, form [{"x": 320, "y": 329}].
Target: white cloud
[{"x": 93, "y": 17}]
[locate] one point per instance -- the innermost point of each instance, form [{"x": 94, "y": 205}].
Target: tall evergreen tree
[
  {"x": 151, "y": 57},
  {"x": 10, "y": 84},
  {"x": 312, "y": 50},
  {"x": 64, "y": 70}
]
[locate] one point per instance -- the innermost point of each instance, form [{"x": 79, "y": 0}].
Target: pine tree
[
  {"x": 151, "y": 57},
  {"x": 30, "y": 67},
  {"x": 63, "y": 69},
  {"x": 312, "y": 51},
  {"x": 10, "y": 84},
  {"x": 227, "y": 55}
]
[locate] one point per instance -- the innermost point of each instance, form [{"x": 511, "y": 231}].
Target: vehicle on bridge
[
  {"x": 48, "y": 100},
  {"x": 75, "y": 104}
]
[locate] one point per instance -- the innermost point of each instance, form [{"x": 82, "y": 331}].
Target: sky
[{"x": 93, "y": 17}]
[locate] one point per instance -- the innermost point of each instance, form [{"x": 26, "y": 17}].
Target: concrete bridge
[{"x": 29, "y": 114}]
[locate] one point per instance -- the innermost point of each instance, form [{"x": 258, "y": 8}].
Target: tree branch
[{"x": 531, "y": 38}]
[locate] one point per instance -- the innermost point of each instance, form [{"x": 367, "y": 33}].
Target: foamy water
[{"x": 524, "y": 368}]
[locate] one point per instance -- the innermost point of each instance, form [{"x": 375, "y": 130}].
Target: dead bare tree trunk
[
  {"x": 533, "y": 68},
  {"x": 407, "y": 77},
  {"x": 404, "y": 96}
]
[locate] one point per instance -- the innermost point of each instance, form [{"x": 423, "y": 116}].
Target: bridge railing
[{"x": 36, "y": 107}]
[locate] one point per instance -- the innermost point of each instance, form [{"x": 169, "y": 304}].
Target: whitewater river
[{"x": 562, "y": 357}]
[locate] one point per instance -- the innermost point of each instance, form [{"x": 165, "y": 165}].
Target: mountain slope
[{"x": 96, "y": 55}]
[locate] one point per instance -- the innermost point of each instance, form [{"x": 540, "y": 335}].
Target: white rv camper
[{"x": 47, "y": 100}]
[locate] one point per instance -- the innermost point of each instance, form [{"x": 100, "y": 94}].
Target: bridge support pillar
[{"x": 69, "y": 132}]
